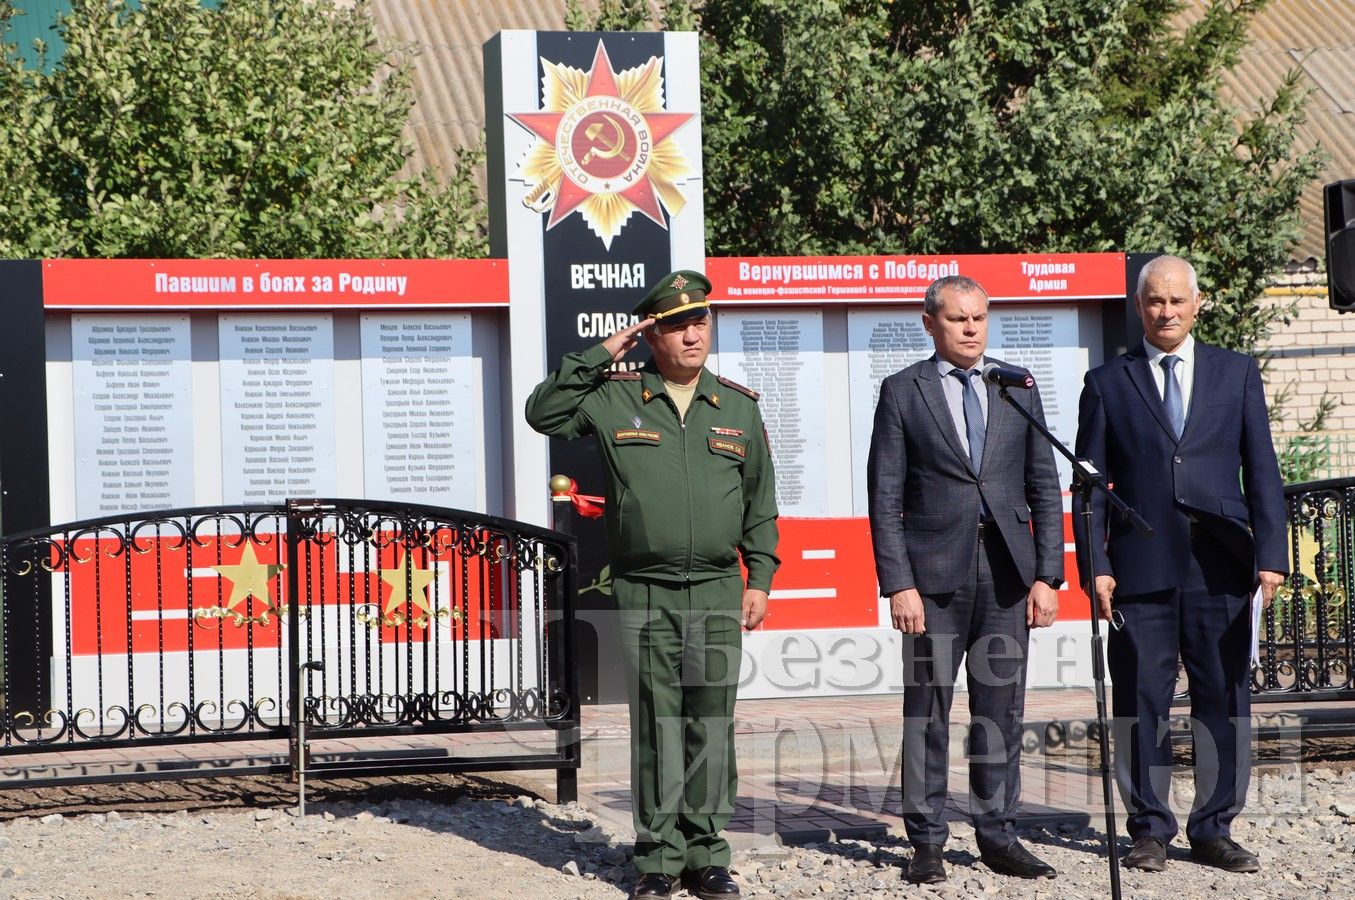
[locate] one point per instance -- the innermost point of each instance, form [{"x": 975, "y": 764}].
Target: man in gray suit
[{"x": 956, "y": 482}]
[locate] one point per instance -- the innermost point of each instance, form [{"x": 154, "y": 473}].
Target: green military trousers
[{"x": 682, "y": 646}]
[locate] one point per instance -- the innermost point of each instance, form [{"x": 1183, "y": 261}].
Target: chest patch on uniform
[
  {"x": 727, "y": 432},
  {"x": 636, "y": 436},
  {"x": 725, "y": 446}
]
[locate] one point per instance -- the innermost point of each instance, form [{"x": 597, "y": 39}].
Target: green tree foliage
[
  {"x": 1310, "y": 453},
  {"x": 256, "y": 128},
  {"x": 989, "y": 126}
]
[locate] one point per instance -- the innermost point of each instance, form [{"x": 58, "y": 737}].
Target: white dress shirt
[{"x": 1184, "y": 371}]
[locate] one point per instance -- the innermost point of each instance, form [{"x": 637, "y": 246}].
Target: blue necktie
[
  {"x": 1171, "y": 395},
  {"x": 973, "y": 416}
]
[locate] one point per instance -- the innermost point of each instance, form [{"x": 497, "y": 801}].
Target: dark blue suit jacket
[{"x": 1223, "y": 471}]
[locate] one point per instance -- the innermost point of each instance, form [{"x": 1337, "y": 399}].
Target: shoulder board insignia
[
  {"x": 746, "y": 391},
  {"x": 623, "y": 376}
]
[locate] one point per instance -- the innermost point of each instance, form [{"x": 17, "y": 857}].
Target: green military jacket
[{"x": 684, "y": 499}]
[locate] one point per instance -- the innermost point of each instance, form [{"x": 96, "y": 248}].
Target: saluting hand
[{"x": 624, "y": 341}]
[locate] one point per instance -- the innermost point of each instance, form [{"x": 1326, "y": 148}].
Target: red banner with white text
[
  {"x": 109, "y": 284},
  {"x": 1026, "y": 277}
]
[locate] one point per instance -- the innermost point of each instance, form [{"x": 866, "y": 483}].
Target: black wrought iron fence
[
  {"x": 1307, "y": 644},
  {"x": 196, "y": 625}
]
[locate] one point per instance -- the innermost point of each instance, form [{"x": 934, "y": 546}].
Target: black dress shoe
[
  {"x": 1224, "y": 853},
  {"x": 1015, "y": 859},
  {"x": 926, "y": 866},
  {"x": 1148, "y": 854},
  {"x": 710, "y": 883},
  {"x": 654, "y": 884}
]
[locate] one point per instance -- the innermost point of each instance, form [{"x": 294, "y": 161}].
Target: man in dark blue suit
[{"x": 1180, "y": 430}]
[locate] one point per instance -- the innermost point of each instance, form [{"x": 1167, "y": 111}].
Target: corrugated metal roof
[
  {"x": 1316, "y": 37},
  {"x": 448, "y": 72},
  {"x": 36, "y": 20}
]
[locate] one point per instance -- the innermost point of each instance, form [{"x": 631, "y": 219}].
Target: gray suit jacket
[{"x": 924, "y": 493}]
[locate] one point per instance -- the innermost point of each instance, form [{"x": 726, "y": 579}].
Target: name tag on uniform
[
  {"x": 724, "y": 446},
  {"x": 636, "y": 436}
]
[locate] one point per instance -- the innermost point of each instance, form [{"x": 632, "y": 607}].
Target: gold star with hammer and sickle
[
  {"x": 419, "y": 580},
  {"x": 248, "y": 578}
]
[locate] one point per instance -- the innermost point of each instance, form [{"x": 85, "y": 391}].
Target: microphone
[{"x": 995, "y": 374}]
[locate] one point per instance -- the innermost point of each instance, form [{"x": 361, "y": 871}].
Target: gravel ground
[{"x": 457, "y": 837}]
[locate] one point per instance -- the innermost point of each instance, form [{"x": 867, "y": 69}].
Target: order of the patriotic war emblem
[{"x": 604, "y": 146}]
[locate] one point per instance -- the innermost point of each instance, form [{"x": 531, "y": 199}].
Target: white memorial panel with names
[
  {"x": 1041, "y": 339},
  {"x": 277, "y": 407},
  {"x": 418, "y": 409},
  {"x": 1054, "y": 326},
  {"x": 780, "y": 355},
  {"x": 1045, "y": 341},
  {"x": 133, "y": 413},
  {"x": 879, "y": 343}
]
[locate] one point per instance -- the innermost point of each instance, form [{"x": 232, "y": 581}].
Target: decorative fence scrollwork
[
  {"x": 1307, "y": 643},
  {"x": 192, "y": 625}
]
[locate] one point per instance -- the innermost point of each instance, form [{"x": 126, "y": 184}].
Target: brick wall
[{"x": 1313, "y": 354}]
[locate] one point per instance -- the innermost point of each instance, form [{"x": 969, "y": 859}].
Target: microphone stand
[{"x": 1086, "y": 482}]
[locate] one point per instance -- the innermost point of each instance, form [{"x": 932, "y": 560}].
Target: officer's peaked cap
[{"x": 677, "y": 295}]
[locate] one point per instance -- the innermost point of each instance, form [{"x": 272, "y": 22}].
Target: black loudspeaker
[{"x": 1339, "y": 205}]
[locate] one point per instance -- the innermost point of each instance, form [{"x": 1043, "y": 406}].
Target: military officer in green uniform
[{"x": 689, "y": 493}]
